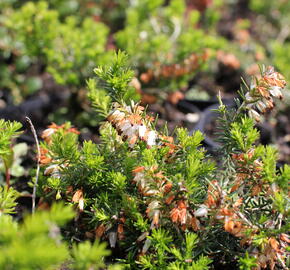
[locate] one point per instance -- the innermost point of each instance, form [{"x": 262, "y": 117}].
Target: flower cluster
[
  {"x": 45, "y": 155},
  {"x": 260, "y": 96},
  {"x": 51, "y": 129},
  {"x": 235, "y": 223},
  {"x": 117, "y": 222},
  {"x": 152, "y": 184},
  {"x": 164, "y": 200},
  {"x": 225, "y": 212},
  {"x": 179, "y": 213},
  {"x": 245, "y": 169},
  {"x": 273, "y": 250},
  {"x": 188, "y": 65},
  {"x": 78, "y": 197},
  {"x": 132, "y": 125}
]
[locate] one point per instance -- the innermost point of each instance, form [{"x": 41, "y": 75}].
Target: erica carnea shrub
[{"x": 160, "y": 200}]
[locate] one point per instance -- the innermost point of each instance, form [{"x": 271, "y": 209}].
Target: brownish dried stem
[{"x": 38, "y": 163}]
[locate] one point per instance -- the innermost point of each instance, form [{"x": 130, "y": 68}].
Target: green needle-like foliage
[
  {"x": 7, "y": 200},
  {"x": 115, "y": 78},
  {"x": 88, "y": 256},
  {"x": 165, "y": 40},
  {"x": 8, "y": 131},
  {"x": 37, "y": 242},
  {"x": 162, "y": 201},
  {"x": 34, "y": 25}
]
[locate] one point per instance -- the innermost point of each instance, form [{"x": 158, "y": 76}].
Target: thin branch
[
  {"x": 246, "y": 220},
  {"x": 38, "y": 163},
  {"x": 177, "y": 30},
  {"x": 155, "y": 26}
]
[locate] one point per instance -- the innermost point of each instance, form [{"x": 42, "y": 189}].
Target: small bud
[
  {"x": 261, "y": 106},
  {"x": 126, "y": 125},
  {"x": 113, "y": 239},
  {"x": 81, "y": 204},
  {"x": 51, "y": 169},
  {"x": 201, "y": 212},
  {"x": 255, "y": 115},
  {"x": 151, "y": 138},
  {"x": 275, "y": 91},
  {"x": 77, "y": 196},
  {"x": 141, "y": 131},
  {"x": 114, "y": 217},
  {"x": 47, "y": 133}
]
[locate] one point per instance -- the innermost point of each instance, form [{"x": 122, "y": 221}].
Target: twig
[
  {"x": 155, "y": 25},
  {"x": 177, "y": 30},
  {"x": 38, "y": 163},
  {"x": 246, "y": 220}
]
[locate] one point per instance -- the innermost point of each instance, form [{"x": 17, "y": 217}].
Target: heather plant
[
  {"x": 6, "y": 3},
  {"x": 211, "y": 12},
  {"x": 13, "y": 64},
  {"x": 37, "y": 242},
  {"x": 69, "y": 7},
  {"x": 277, "y": 13},
  {"x": 75, "y": 51},
  {"x": 28, "y": 24},
  {"x": 165, "y": 44},
  {"x": 275, "y": 17},
  {"x": 67, "y": 49},
  {"x": 8, "y": 132},
  {"x": 161, "y": 201},
  {"x": 112, "y": 12}
]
